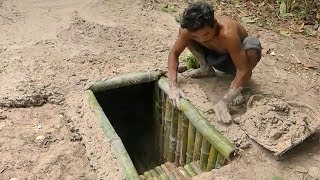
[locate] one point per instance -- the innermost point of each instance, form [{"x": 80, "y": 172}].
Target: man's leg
[{"x": 205, "y": 70}]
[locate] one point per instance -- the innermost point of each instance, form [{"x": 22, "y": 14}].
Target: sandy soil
[{"x": 50, "y": 50}]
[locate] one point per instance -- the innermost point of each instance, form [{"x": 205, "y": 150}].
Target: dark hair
[{"x": 196, "y": 16}]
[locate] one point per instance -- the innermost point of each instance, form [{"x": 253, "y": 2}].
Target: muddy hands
[{"x": 175, "y": 94}]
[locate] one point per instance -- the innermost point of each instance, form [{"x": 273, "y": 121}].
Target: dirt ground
[{"x": 50, "y": 50}]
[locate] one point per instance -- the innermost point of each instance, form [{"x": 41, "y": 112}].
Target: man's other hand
[{"x": 222, "y": 112}]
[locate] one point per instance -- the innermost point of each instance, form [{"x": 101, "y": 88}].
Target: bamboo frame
[
  {"x": 209, "y": 132},
  {"x": 173, "y": 134},
  {"x": 167, "y": 126},
  {"x": 205, "y": 147},
  {"x": 189, "y": 170},
  {"x": 178, "y": 139},
  {"x": 197, "y": 146},
  {"x": 157, "y": 118},
  {"x": 212, "y": 159},
  {"x": 184, "y": 140},
  {"x": 183, "y": 174},
  {"x": 125, "y": 80},
  {"x": 161, "y": 136},
  {"x": 190, "y": 146},
  {"x": 115, "y": 141},
  {"x": 178, "y": 143},
  {"x": 195, "y": 167}
]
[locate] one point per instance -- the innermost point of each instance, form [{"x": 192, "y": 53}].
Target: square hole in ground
[{"x": 130, "y": 111}]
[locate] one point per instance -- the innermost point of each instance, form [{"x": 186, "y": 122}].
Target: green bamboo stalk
[
  {"x": 173, "y": 134},
  {"x": 161, "y": 141},
  {"x": 189, "y": 170},
  {"x": 157, "y": 118},
  {"x": 184, "y": 139},
  {"x": 205, "y": 147},
  {"x": 220, "y": 161},
  {"x": 167, "y": 126},
  {"x": 183, "y": 174},
  {"x": 172, "y": 169},
  {"x": 147, "y": 175},
  {"x": 195, "y": 167},
  {"x": 212, "y": 159},
  {"x": 163, "y": 177},
  {"x": 178, "y": 146},
  {"x": 197, "y": 146},
  {"x": 154, "y": 173},
  {"x": 159, "y": 170},
  {"x": 190, "y": 147},
  {"x": 115, "y": 141},
  {"x": 125, "y": 80},
  {"x": 209, "y": 132},
  {"x": 167, "y": 172}
]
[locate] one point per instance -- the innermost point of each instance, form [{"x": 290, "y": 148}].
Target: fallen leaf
[
  {"x": 282, "y": 8},
  {"x": 248, "y": 20},
  {"x": 285, "y": 33},
  {"x": 300, "y": 28}
]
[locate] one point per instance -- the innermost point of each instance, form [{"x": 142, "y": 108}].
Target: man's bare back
[{"x": 217, "y": 42}]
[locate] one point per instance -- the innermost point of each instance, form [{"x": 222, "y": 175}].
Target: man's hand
[
  {"x": 221, "y": 109},
  {"x": 175, "y": 94},
  {"x": 222, "y": 112}
]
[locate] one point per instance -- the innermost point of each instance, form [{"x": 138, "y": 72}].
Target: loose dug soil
[{"x": 276, "y": 124}]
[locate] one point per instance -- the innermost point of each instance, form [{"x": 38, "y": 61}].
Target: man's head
[{"x": 197, "y": 16}]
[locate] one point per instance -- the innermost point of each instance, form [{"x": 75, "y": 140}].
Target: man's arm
[
  {"x": 239, "y": 58},
  {"x": 173, "y": 59}
]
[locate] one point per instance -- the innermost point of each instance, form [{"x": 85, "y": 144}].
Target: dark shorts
[{"x": 223, "y": 62}]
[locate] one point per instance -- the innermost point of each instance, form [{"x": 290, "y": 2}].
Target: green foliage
[
  {"x": 169, "y": 8},
  {"x": 190, "y": 61}
]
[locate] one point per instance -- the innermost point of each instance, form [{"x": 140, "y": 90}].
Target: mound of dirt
[{"x": 276, "y": 124}]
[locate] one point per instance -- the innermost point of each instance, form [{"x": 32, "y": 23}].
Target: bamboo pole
[
  {"x": 205, "y": 147},
  {"x": 115, "y": 141},
  {"x": 212, "y": 159},
  {"x": 173, "y": 134},
  {"x": 154, "y": 174},
  {"x": 159, "y": 170},
  {"x": 220, "y": 161},
  {"x": 167, "y": 126},
  {"x": 209, "y": 132},
  {"x": 172, "y": 169},
  {"x": 167, "y": 172},
  {"x": 161, "y": 141},
  {"x": 125, "y": 80},
  {"x": 157, "y": 119},
  {"x": 163, "y": 177},
  {"x": 189, "y": 170},
  {"x": 178, "y": 146},
  {"x": 197, "y": 146},
  {"x": 183, "y": 174},
  {"x": 147, "y": 175},
  {"x": 190, "y": 146},
  {"x": 195, "y": 167},
  {"x": 184, "y": 139}
]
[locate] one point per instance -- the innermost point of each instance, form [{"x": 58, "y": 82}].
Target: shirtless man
[{"x": 216, "y": 42}]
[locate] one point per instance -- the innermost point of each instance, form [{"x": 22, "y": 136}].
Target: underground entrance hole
[
  {"x": 149, "y": 136},
  {"x": 130, "y": 111}
]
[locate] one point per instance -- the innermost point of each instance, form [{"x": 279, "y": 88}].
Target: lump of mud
[{"x": 278, "y": 125}]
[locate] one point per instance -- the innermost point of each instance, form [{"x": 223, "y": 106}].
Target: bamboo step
[{"x": 168, "y": 171}]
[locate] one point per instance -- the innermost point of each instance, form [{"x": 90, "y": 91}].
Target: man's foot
[
  {"x": 238, "y": 100},
  {"x": 200, "y": 72}
]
